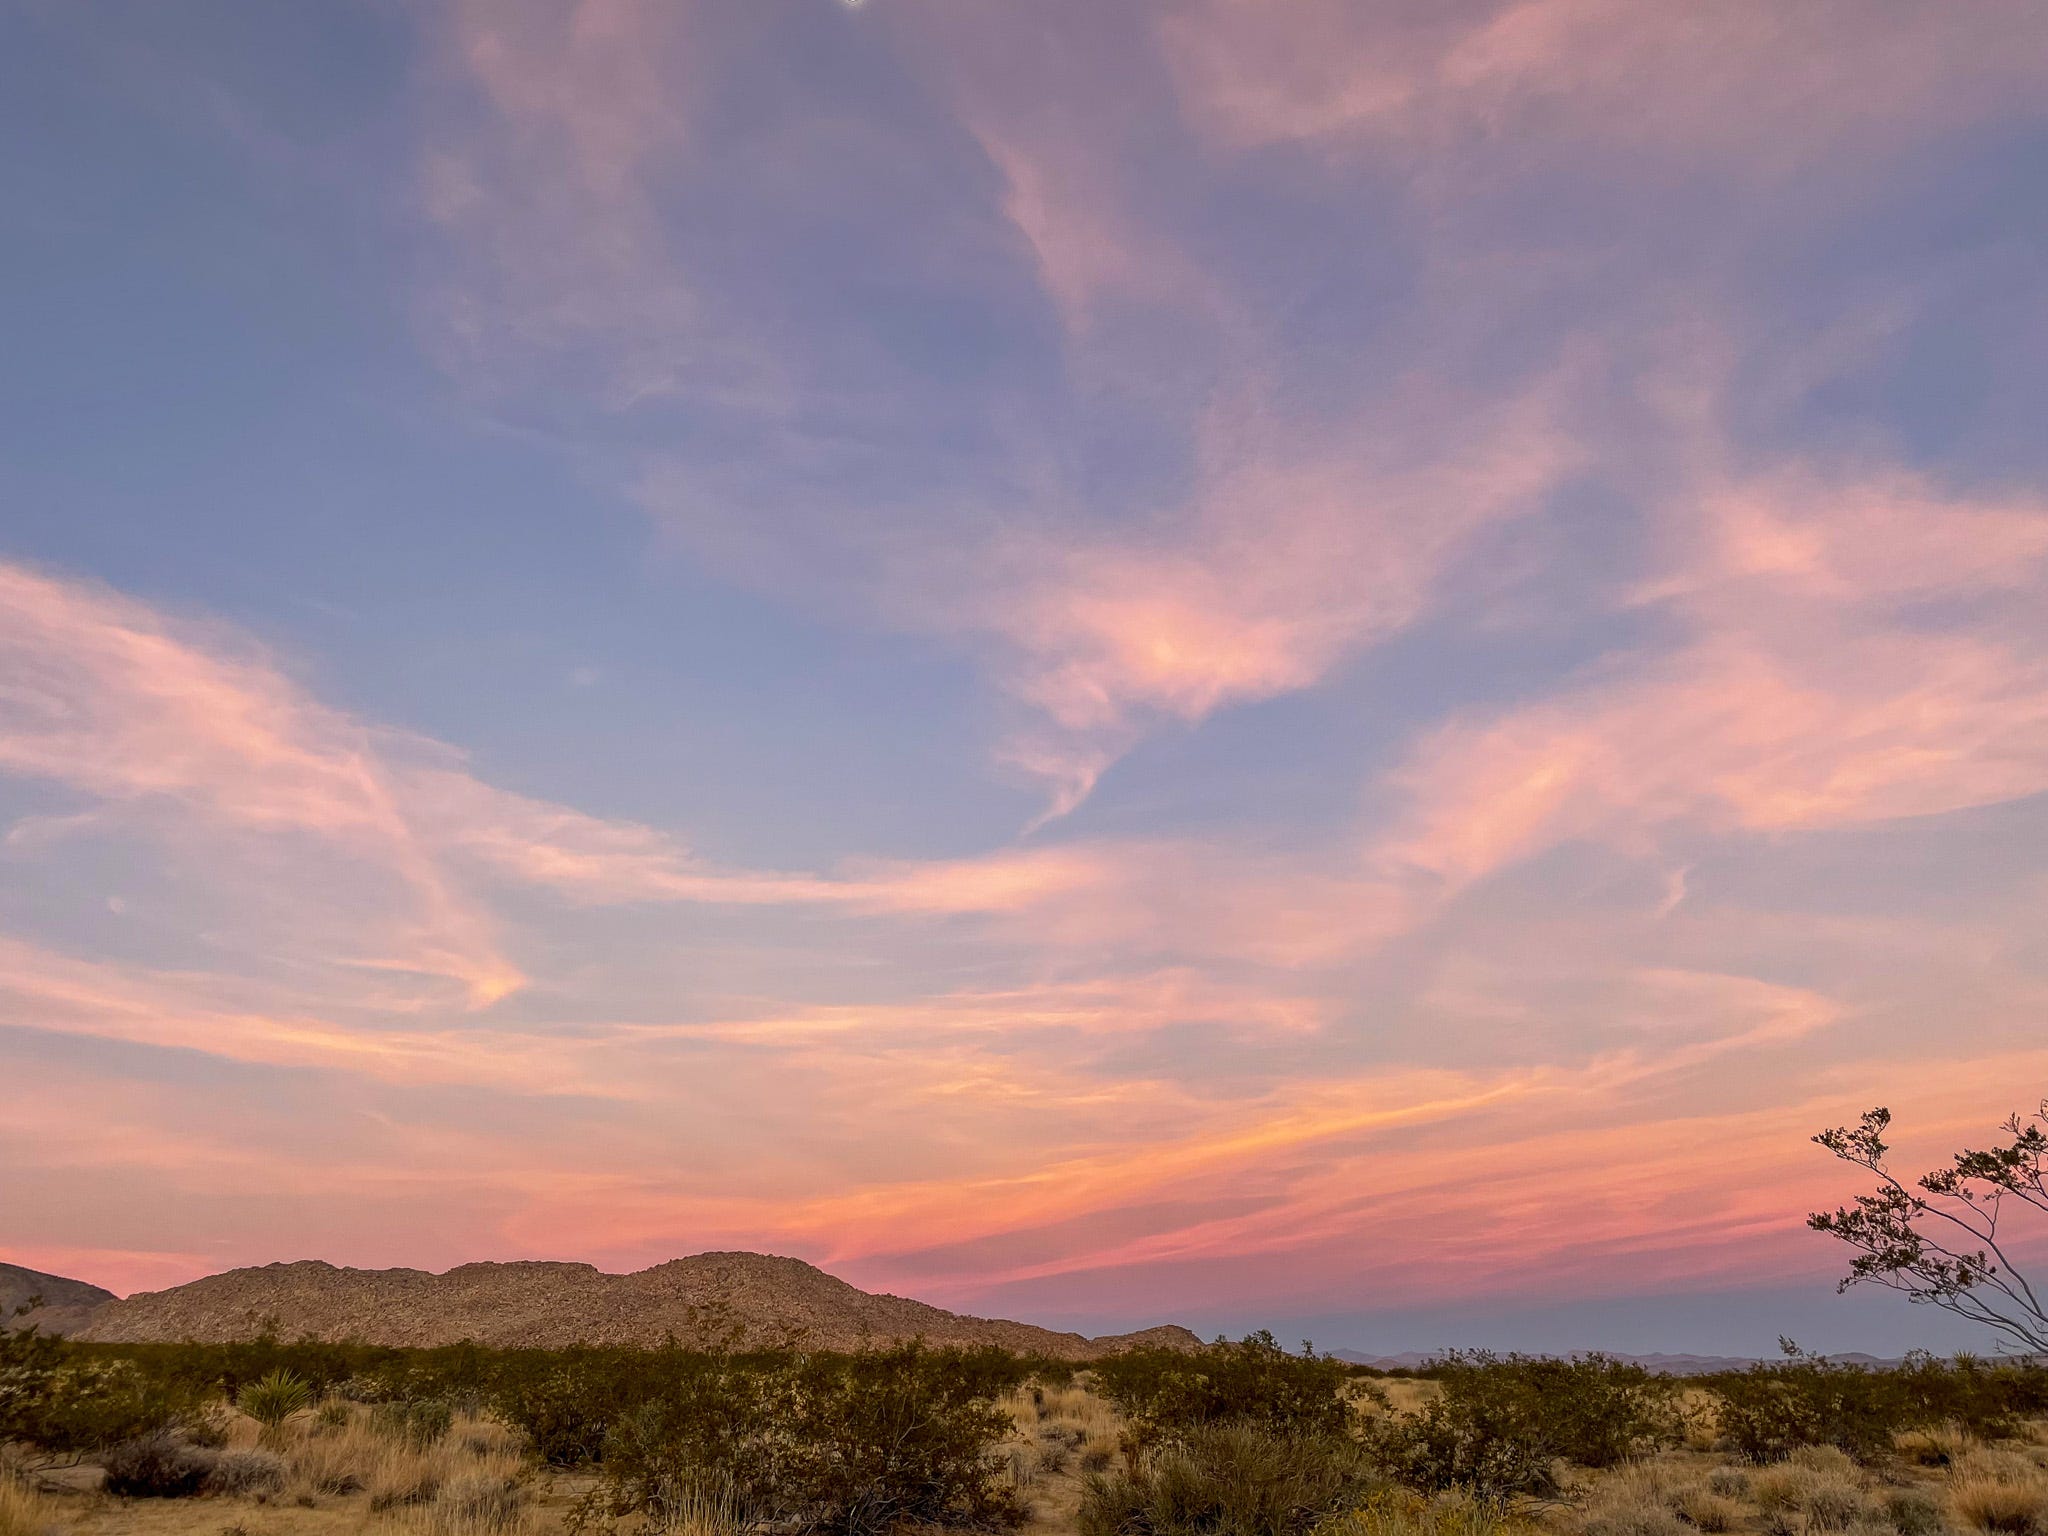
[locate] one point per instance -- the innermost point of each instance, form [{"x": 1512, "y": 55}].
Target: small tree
[{"x": 1943, "y": 1241}]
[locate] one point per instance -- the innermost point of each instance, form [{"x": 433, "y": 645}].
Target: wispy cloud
[{"x": 1479, "y": 540}]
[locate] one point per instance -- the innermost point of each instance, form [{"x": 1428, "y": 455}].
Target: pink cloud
[
  {"x": 1802, "y": 699},
  {"x": 156, "y": 718},
  {"x": 1754, "y": 87},
  {"x": 1289, "y": 557}
]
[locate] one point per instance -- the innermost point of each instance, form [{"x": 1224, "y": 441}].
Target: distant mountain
[
  {"x": 1663, "y": 1365},
  {"x": 747, "y": 1298},
  {"x": 67, "y": 1305}
]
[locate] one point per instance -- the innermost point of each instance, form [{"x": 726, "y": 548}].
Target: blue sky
[{"x": 1100, "y": 661}]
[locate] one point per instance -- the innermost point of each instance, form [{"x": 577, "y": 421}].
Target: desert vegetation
[{"x": 272, "y": 1438}]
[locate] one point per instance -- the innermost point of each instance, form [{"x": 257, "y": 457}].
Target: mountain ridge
[
  {"x": 66, "y": 1305},
  {"x": 746, "y": 1299}
]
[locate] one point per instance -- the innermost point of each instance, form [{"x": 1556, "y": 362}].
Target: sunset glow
[{"x": 1232, "y": 661}]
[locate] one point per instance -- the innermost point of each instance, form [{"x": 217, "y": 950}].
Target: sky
[{"x": 1337, "y": 664}]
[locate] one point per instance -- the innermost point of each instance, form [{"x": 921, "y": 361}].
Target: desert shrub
[
  {"x": 1971, "y": 1396},
  {"x": 419, "y": 1422},
  {"x": 1500, "y": 1423},
  {"x": 208, "y": 1427},
  {"x": 245, "y": 1473},
  {"x": 1236, "y": 1478},
  {"x": 566, "y": 1415},
  {"x": 1253, "y": 1381},
  {"x": 1729, "y": 1482},
  {"x": 159, "y": 1465},
  {"x": 568, "y": 1410},
  {"x": 1771, "y": 1409},
  {"x": 855, "y": 1444},
  {"x": 65, "y": 1405},
  {"x": 1774, "y": 1407},
  {"x": 1913, "y": 1512}
]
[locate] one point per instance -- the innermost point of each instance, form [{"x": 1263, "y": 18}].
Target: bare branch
[{"x": 1906, "y": 1237}]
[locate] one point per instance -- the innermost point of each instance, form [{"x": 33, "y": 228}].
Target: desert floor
[{"x": 342, "y": 1474}]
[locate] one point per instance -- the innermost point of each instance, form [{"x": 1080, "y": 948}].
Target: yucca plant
[{"x": 274, "y": 1399}]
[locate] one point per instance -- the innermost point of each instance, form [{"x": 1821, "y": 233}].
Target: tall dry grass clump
[
  {"x": 477, "y": 1502},
  {"x": 360, "y": 1450},
  {"x": 1653, "y": 1498},
  {"x": 23, "y": 1512},
  {"x": 1403, "y": 1512},
  {"x": 1938, "y": 1445},
  {"x": 1060, "y": 1429},
  {"x": 1817, "y": 1489},
  {"x": 2001, "y": 1493}
]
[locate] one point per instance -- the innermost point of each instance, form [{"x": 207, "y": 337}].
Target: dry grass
[
  {"x": 2002, "y": 1492},
  {"x": 1401, "y": 1513},
  {"x": 1700, "y": 1412},
  {"x": 480, "y": 1501},
  {"x": 1640, "y": 1499},
  {"x": 1818, "y": 1489},
  {"x": 23, "y": 1512},
  {"x": 1062, "y": 1434},
  {"x": 339, "y": 1454},
  {"x": 1406, "y": 1394},
  {"x": 1818, "y": 1492},
  {"x": 1942, "y": 1446},
  {"x": 1700, "y": 1507}
]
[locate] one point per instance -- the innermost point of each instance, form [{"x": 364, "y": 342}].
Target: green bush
[
  {"x": 568, "y": 1405},
  {"x": 158, "y": 1466},
  {"x": 1987, "y": 1399},
  {"x": 1254, "y": 1381},
  {"x": 1226, "y": 1479},
  {"x": 419, "y": 1422},
  {"x": 1775, "y": 1407},
  {"x": 1501, "y": 1422},
  {"x": 63, "y": 1405},
  {"x": 855, "y": 1444}
]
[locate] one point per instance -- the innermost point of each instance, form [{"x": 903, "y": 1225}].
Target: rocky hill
[
  {"x": 740, "y": 1298},
  {"x": 67, "y": 1305}
]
